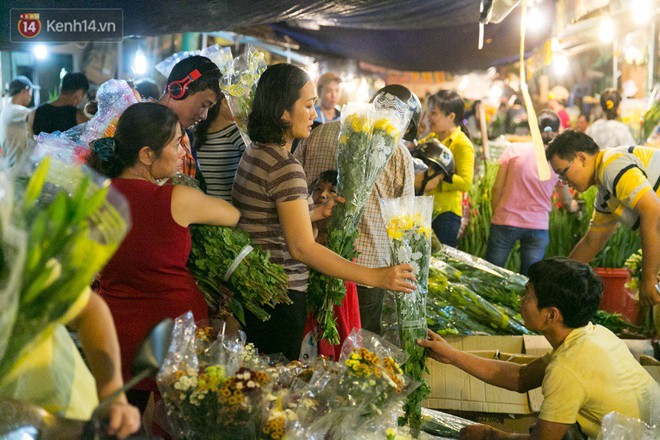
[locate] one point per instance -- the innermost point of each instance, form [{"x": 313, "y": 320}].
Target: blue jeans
[
  {"x": 502, "y": 238},
  {"x": 446, "y": 226}
]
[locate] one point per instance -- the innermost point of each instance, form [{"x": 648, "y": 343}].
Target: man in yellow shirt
[
  {"x": 628, "y": 180},
  {"x": 589, "y": 372}
]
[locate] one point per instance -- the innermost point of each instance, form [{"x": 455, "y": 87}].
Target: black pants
[
  {"x": 283, "y": 332},
  {"x": 371, "y": 308},
  {"x": 446, "y": 227}
]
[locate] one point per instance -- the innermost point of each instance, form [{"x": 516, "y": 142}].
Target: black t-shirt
[{"x": 49, "y": 118}]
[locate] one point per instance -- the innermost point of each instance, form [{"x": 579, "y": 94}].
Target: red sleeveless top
[{"x": 147, "y": 279}]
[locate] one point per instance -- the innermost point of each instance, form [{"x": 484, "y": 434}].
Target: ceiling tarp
[{"x": 401, "y": 34}]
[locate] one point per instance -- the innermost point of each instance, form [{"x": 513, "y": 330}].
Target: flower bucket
[{"x": 616, "y": 297}]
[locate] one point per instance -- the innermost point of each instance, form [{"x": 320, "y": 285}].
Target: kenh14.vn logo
[{"x": 29, "y": 25}]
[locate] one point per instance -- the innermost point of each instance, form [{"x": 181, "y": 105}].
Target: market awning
[{"x": 414, "y": 35}]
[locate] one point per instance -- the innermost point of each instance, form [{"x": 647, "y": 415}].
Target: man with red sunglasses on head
[{"x": 192, "y": 88}]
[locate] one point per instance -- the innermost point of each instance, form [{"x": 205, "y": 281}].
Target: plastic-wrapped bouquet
[
  {"x": 239, "y": 83},
  {"x": 356, "y": 397},
  {"x": 368, "y": 136},
  {"x": 408, "y": 223},
  {"x": 222, "y": 255},
  {"x": 74, "y": 223},
  {"x": 207, "y": 392}
]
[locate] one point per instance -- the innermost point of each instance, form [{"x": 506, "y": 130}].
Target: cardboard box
[{"x": 452, "y": 389}]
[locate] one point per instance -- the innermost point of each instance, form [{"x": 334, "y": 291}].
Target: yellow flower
[
  {"x": 395, "y": 234},
  {"x": 343, "y": 139},
  {"x": 360, "y": 124},
  {"x": 425, "y": 230}
]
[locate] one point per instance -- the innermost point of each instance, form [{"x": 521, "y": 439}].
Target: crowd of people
[{"x": 281, "y": 189}]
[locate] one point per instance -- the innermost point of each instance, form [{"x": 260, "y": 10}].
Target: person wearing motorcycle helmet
[
  {"x": 318, "y": 153},
  {"x": 413, "y": 103},
  {"x": 439, "y": 161}
]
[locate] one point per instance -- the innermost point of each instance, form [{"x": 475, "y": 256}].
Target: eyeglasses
[{"x": 562, "y": 173}]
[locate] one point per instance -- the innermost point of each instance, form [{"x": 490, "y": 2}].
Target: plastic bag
[
  {"x": 74, "y": 221},
  {"x": 615, "y": 426},
  {"x": 239, "y": 83},
  {"x": 221, "y": 56},
  {"x": 13, "y": 242}
]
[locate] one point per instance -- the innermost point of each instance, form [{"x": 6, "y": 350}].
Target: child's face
[{"x": 323, "y": 191}]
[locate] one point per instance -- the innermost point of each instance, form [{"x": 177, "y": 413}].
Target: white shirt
[{"x": 13, "y": 131}]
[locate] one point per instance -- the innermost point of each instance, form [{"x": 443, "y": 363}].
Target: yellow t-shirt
[
  {"x": 448, "y": 197},
  {"x": 623, "y": 175},
  {"x": 51, "y": 373},
  {"x": 591, "y": 374}
]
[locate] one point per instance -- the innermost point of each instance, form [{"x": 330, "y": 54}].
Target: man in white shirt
[{"x": 13, "y": 120}]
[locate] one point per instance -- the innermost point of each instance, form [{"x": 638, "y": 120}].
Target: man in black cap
[
  {"x": 62, "y": 113},
  {"x": 13, "y": 120}
]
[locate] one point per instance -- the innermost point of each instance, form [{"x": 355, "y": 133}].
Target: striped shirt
[
  {"x": 268, "y": 175},
  {"x": 218, "y": 159},
  {"x": 624, "y": 175}
]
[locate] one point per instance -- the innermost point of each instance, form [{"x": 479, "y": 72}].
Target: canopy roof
[{"x": 413, "y": 35}]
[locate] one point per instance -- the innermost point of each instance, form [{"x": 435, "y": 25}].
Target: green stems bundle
[
  {"x": 408, "y": 224},
  {"x": 74, "y": 223},
  {"x": 221, "y": 256}
]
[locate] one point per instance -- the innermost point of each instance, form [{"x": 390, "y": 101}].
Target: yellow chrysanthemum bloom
[{"x": 360, "y": 124}]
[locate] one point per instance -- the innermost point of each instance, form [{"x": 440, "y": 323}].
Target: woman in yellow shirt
[{"x": 446, "y": 109}]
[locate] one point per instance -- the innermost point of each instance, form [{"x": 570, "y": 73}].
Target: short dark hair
[
  {"x": 73, "y": 82},
  {"x": 148, "y": 89},
  {"x": 329, "y": 176},
  {"x": 570, "y": 142},
  {"x": 570, "y": 286},
  {"x": 609, "y": 102},
  {"x": 142, "y": 124},
  {"x": 278, "y": 90},
  {"x": 449, "y": 101},
  {"x": 549, "y": 124},
  {"x": 209, "y": 79}
]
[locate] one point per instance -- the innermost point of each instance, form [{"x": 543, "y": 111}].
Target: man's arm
[
  {"x": 592, "y": 243},
  {"x": 648, "y": 208},
  {"x": 508, "y": 375},
  {"x": 543, "y": 430}
]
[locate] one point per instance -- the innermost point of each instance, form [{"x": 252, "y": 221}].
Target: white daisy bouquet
[{"x": 408, "y": 223}]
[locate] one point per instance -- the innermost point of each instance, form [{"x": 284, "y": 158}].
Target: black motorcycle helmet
[
  {"x": 436, "y": 155},
  {"x": 413, "y": 103}
]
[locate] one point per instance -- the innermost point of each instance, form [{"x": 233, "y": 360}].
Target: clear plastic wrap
[
  {"x": 615, "y": 426},
  {"x": 442, "y": 424},
  {"x": 221, "y": 56},
  {"x": 239, "y": 83},
  {"x": 13, "y": 242},
  {"x": 75, "y": 221},
  {"x": 368, "y": 136},
  {"x": 408, "y": 224},
  {"x": 207, "y": 392},
  {"x": 359, "y": 397},
  {"x": 73, "y": 145}
]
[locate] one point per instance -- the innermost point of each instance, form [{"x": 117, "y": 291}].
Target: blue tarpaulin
[{"x": 414, "y": 35}]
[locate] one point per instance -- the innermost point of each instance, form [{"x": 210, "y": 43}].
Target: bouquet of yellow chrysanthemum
[
  {"x": 368, "y": 136},
  {"x": 408, "y": 223},
  {"x": 356, "y": 396},
  {"x": 239, "y": 83}
]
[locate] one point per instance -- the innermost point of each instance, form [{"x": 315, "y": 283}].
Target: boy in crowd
[{"x": 323, "y": 190}]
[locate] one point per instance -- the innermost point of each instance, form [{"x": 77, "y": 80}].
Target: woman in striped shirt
[{"x": 270, "y": 190}]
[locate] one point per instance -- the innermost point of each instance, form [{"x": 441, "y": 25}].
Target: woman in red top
[{"x": 147, "y": 279}]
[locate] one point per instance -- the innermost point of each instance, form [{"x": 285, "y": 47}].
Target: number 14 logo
[{"x": 29, "y": 25}]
